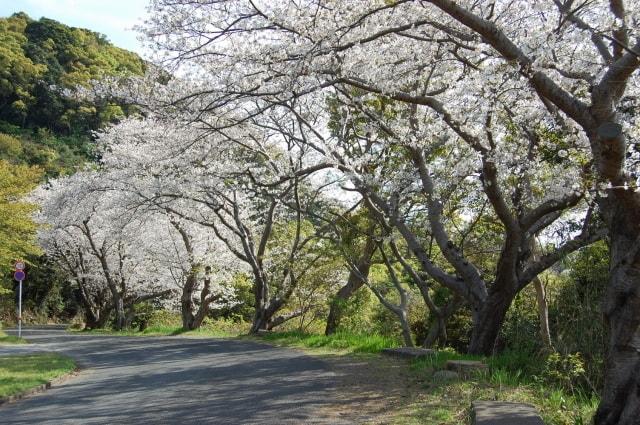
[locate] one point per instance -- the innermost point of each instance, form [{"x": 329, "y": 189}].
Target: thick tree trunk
[
  {"x": 438, "y": 330},
  {"x": 433, "y": 334},
  {"x": 186, "y": 304},
  {"x": 205, "y": 303},
  {"x": 265, "y": 317},
  {"x": 620, "y": 403},
  {"x": 262, "y": 320},
  {"x": 103, "y": 317},
  {"x": 488, "y": 321},
  {"x": 261, "y": 297},
  {"x": 120, "y": 314},
  {"x": 90, "y": 318},
  {"x": 354, "y": 282}
]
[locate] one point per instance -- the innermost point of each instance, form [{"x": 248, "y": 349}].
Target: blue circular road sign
[{"x": 19, "y": 275}]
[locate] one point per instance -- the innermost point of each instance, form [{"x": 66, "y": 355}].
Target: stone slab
[
  {"x": 408, "y": 352},
  {"x": 463, "y": 365},
  {"x": 504, "y": 413}
]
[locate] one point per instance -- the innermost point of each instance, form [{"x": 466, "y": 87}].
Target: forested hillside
[
  {"x": 44, "y": 132},
  {"x": 39, "y": 60}
]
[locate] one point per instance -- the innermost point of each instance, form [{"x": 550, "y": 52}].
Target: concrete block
[
  {"x": 504, "y": 413},
  {"x": 408, "y": 352}
]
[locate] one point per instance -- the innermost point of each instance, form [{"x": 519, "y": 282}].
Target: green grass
[
  {"x": 510, "y": 378},
  {"x": 22, "y": 372},
  {"x": 11, "y": 339},
  {"x": 343, "y": 342}
]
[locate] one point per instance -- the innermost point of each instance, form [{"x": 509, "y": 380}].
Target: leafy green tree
[{"x": 17, "y": 229}]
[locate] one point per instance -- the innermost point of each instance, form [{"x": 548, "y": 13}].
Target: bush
[
  {"x": 574, "y": 314},
  {"x": 164, "y": 319},
  {"x": 565, "y": 371}
]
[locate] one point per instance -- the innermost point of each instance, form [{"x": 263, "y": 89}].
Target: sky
[{"x": 114, "y": 18}]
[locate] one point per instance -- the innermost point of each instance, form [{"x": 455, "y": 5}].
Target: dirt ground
[{"x": 371, "y": 387}]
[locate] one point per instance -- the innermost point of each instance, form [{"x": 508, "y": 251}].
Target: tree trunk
[
  {"x": 433, "y": 334},
  {"x": 130, "y": 314},
  {"x": 543, "y": 314},
  {"x": 103, "y": 317},
  {"x": 186, "y": 304},
  {"x": 260, "y": 318},
  {"x": 277, "y": 321},
  {"x": 406, "y": 330},
  {"x": 620, "y": 403},
  {"x": 488, "y": 321},
  {"x": 438, "y": 329},
  {"x": 261, "y": 297},
  {"x": 205, "y": 302},
  {"x": 354, "y": 282},
  {"x": 120, "y": 314},
  {"x": 90, "y": 319}
]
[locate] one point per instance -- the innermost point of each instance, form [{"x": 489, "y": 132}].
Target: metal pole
[{"x": 20, "y": 311}]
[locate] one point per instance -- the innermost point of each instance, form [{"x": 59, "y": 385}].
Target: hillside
[
  {"x": 39, "y": 59},
  {"x": 43, "y": 133}
]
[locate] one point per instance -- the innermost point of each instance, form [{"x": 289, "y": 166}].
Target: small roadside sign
[
  {"x": 19, "y": 265},
  {"x": 19, "y": 275}
]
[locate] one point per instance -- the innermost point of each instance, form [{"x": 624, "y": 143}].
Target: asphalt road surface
[{"x": 173, "y": 380}]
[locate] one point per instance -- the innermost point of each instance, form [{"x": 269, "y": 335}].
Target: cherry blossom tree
[
  {"x": 456, "y": 63},
  {"x": 219, "y": 181},
  {"x": 85, "y": 228}
]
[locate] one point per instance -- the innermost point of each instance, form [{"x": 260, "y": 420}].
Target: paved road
[{"x": 171, "y": 380}]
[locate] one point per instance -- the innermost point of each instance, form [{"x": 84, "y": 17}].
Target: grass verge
[
  {"x": 511, "y": 377},
  {"x": 210, "y": 330},
  {"x": 341, "y": 343},
  {"x": 19, "y": 373},
  {"x": 11, "y": 339},
  {"x": 448, "y": 402}
]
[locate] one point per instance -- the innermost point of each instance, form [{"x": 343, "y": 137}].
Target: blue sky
[{"x": 114, "y": 18}]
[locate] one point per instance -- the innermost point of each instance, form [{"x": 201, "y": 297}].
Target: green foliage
[
  {"x": 576, "y": 324},
  {"x": 39, "y": 124},
  {"x": 17, "y": 229},
  {"x": 521, "y": 328},
  {"x": 39, "y": 59},
  {"x": 164, "y": 318},
  {"x": 574, "y": 313},
  {"x": 565, "y": 371},
  {"x": 512, "y": 376},
  {"x": 242, "y": 310},
  {"x": 356, "y": 312}
]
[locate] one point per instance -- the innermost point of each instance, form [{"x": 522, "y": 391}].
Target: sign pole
[
  {"x": 19, "y": 275},
  {"x": 20, "y": 311}
]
